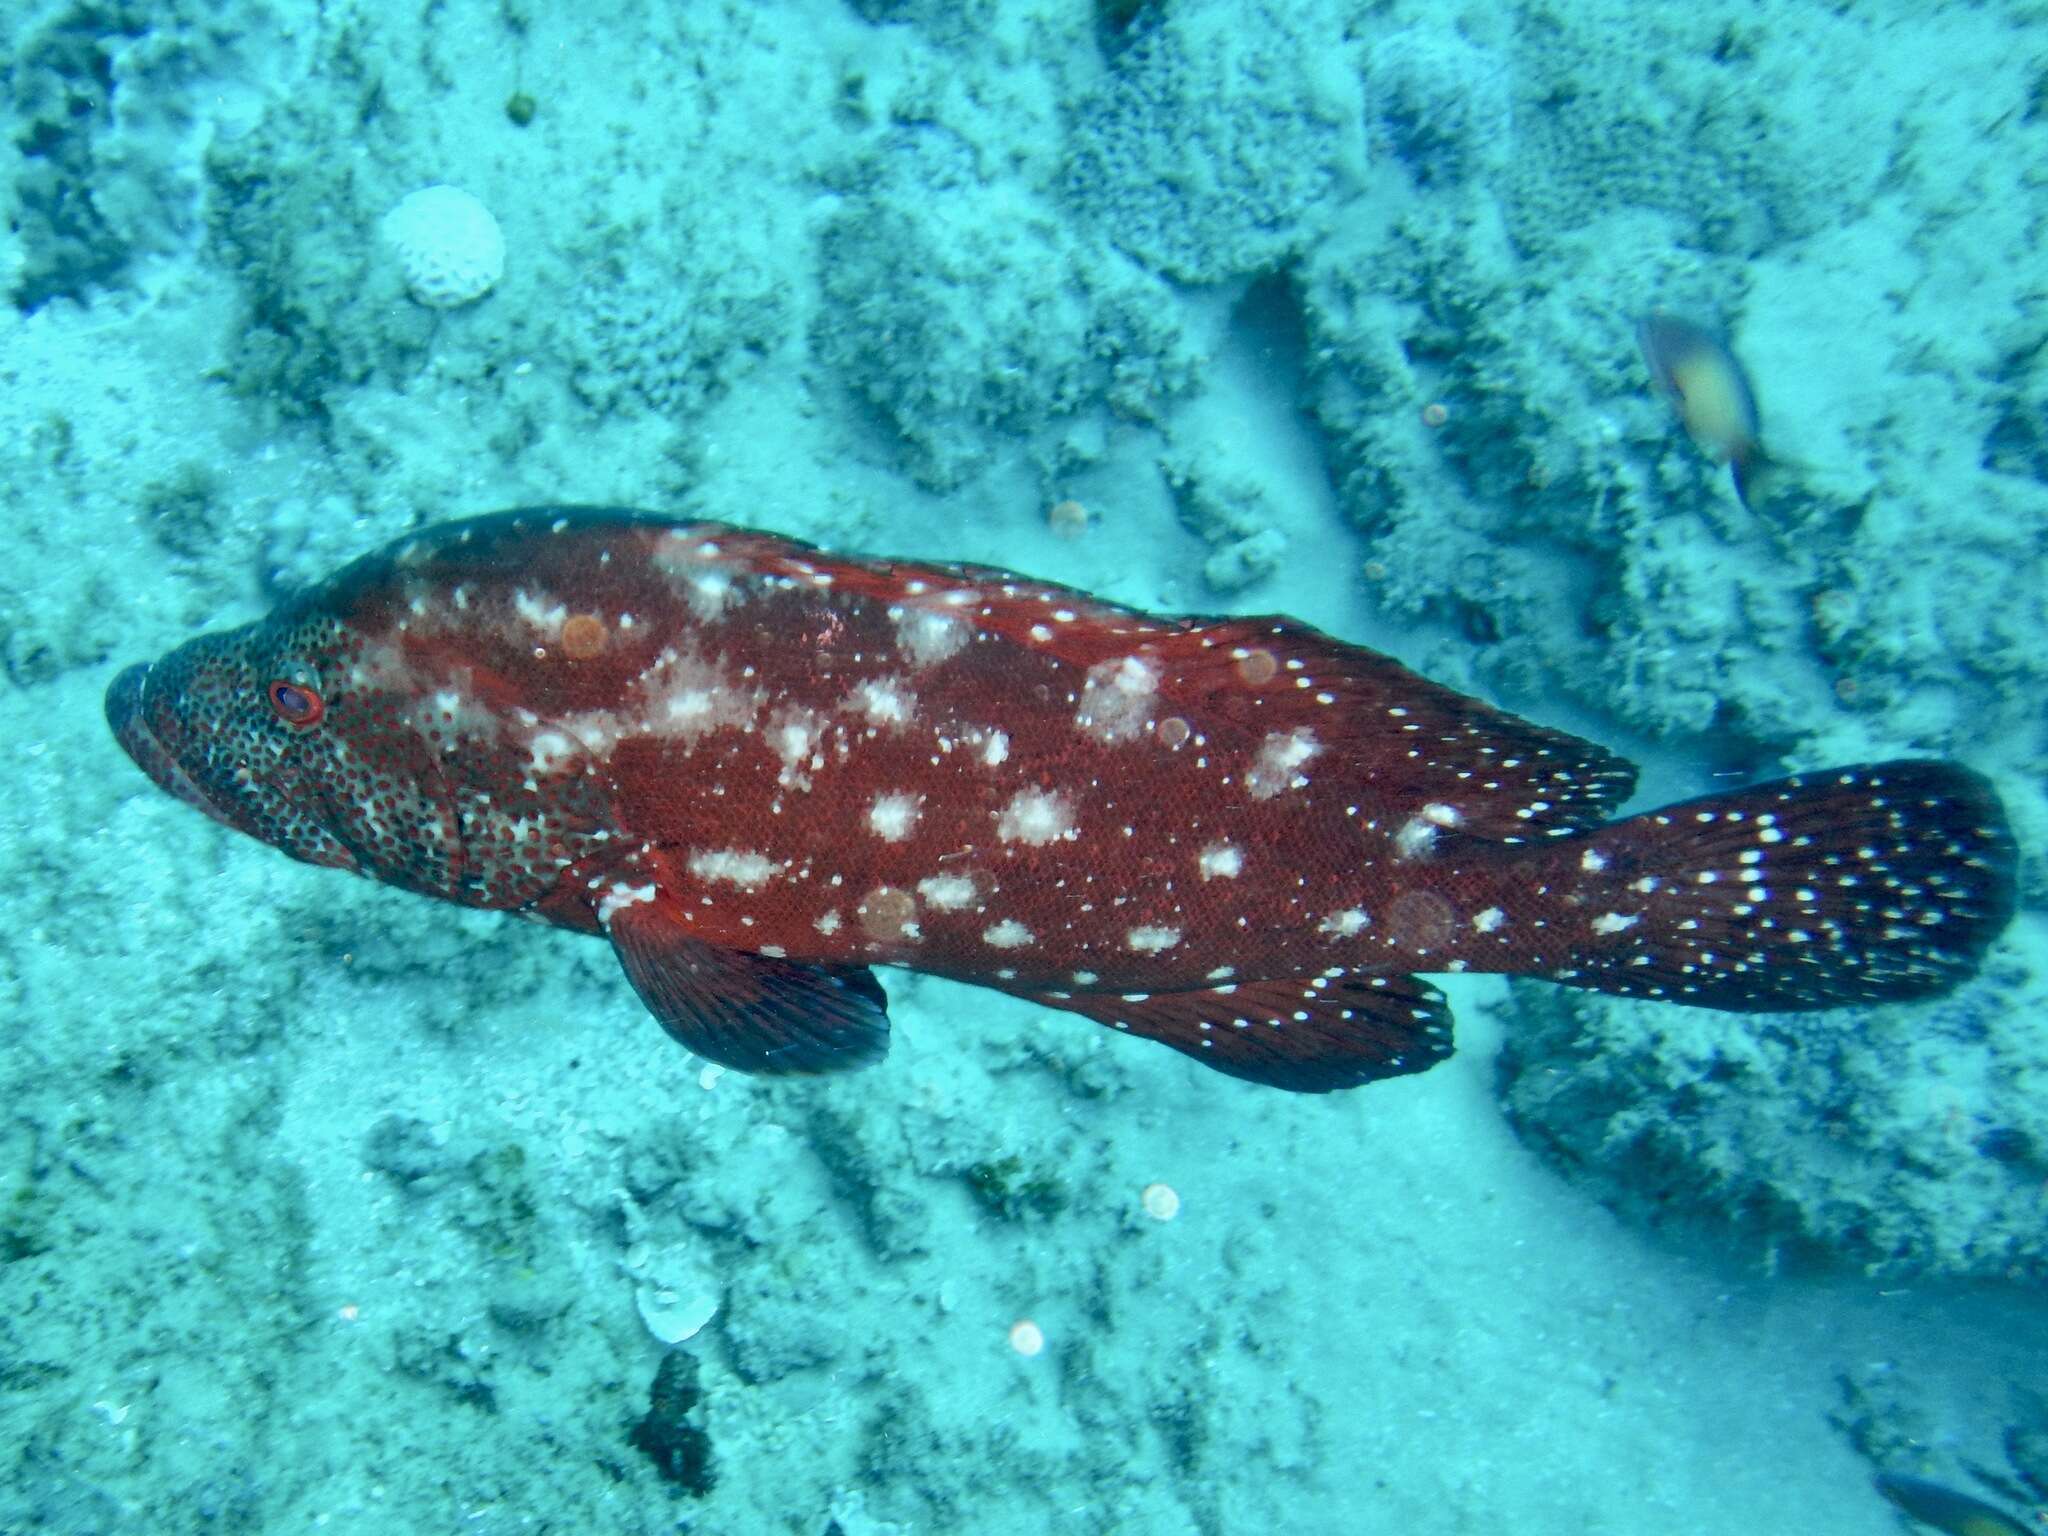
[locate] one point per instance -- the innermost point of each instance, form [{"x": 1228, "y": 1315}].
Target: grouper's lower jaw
[{"x": 130, "y": 724}]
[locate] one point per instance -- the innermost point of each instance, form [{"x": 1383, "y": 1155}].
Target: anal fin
[
  {"x": 1308, "y": 1034},
  {"x": 753, "y": 1013}
]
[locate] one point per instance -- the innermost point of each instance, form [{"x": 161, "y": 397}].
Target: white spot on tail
[
  {"x": 1492, "y": 920},
  {"x": 1150, "y": 940},
  {"x": 1615, "y": 922},
  {"x": 1416, "y": 838},
  {"x": 1221, "y": 861},
  {"x": 1342, "y": 925}
]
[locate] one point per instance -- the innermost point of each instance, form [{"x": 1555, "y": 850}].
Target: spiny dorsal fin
[{"x": 1414, "y": 742}]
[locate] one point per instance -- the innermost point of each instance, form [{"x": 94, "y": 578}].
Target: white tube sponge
[{"x": 449, "y": 246}]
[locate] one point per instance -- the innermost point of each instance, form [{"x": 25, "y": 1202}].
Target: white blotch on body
[
  {"x": 550, "y": 750},
  {"x": 1276, "y": 768},
  {"x": 947, "y": 893},
  {"x": 1036, "y": 817},
  {"x": 927, "y": 637},
  {"x": 793, "y": 733},
  {"x": 1416, "y": 838},
  {"x": 1008, "y": 934},
  {"x": 734, "y": 866},
  {"x": 688, "y": 697},
  {"x": 1116, "y": 698},
  {"x": 621, "y": 896},
  {"x": 893, "y": 816},
  {"x": 885, "y": 701},
  {"x": 1150, "y": 939},
  {"x": 539, "y": 611}
]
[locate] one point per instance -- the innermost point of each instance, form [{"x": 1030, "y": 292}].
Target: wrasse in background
[
  {"x": 1694, "y": 370},
  {"x": 1945, "y": 1509},
  {"x": 759, "y": 769}
]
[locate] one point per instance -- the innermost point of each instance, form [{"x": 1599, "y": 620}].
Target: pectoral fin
[{"x": 750, "y": 1012}]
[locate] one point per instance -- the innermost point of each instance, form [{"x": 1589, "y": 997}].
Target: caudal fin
[{"x": 1860, "y": 885}]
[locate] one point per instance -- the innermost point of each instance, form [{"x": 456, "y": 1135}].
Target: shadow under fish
[{"x": 1945, "y": 1509}]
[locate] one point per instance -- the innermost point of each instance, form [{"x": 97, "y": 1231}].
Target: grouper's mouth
[{"x": 129, "y": 718}]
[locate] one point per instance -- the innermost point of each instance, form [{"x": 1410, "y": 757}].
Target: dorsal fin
[{"x": 1413, "y": 742}]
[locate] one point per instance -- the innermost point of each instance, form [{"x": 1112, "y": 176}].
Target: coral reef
[
  {"x": 449, "y": 246},
  {"x": 320, "y": 311},
  {"x": 1228, "y": 513},
  {"x": 1639, "y": 119},
  {"x": 1911, "y": 1142},
  {"x": 107, "y": 123},
  {"x": 1225, "y": 140},
  {"x": 1440, "y": 104},
  {"x": 969, "y": 316},
  {"x": 640, "y": 338}
]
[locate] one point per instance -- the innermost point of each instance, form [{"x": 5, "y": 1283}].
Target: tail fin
[{"x": 1860, "y": 885}]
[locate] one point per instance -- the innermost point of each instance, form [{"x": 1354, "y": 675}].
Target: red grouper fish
[{"x": 760, "y": 769}]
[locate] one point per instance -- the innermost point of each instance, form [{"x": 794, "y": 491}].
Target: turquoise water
[{"x": 330, "y": 1207}]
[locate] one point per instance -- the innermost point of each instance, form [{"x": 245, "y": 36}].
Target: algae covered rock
[
  {"x": 966, "y": 316},
  {"x": 1225, "y": 141},
  {"x": 1909, "y": 1141}
]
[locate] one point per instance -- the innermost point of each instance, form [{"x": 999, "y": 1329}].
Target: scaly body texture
[{"x": 760, "y": 769}]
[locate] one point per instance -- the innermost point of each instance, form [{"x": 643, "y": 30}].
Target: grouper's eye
[{"x": 297, "y": 703}]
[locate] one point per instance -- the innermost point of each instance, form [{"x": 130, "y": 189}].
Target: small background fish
[{"x": 1707, "y": 386}]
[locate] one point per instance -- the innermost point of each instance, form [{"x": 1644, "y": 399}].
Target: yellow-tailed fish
[{"x": 1693, "y": 369}]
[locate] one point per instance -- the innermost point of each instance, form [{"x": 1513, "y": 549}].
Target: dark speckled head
[
  {"x": 399, "y": 719},
  {"x": 269, "y": 730}
]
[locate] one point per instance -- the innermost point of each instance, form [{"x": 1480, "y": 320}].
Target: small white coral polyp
[{"x": 449, "y": 246}]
